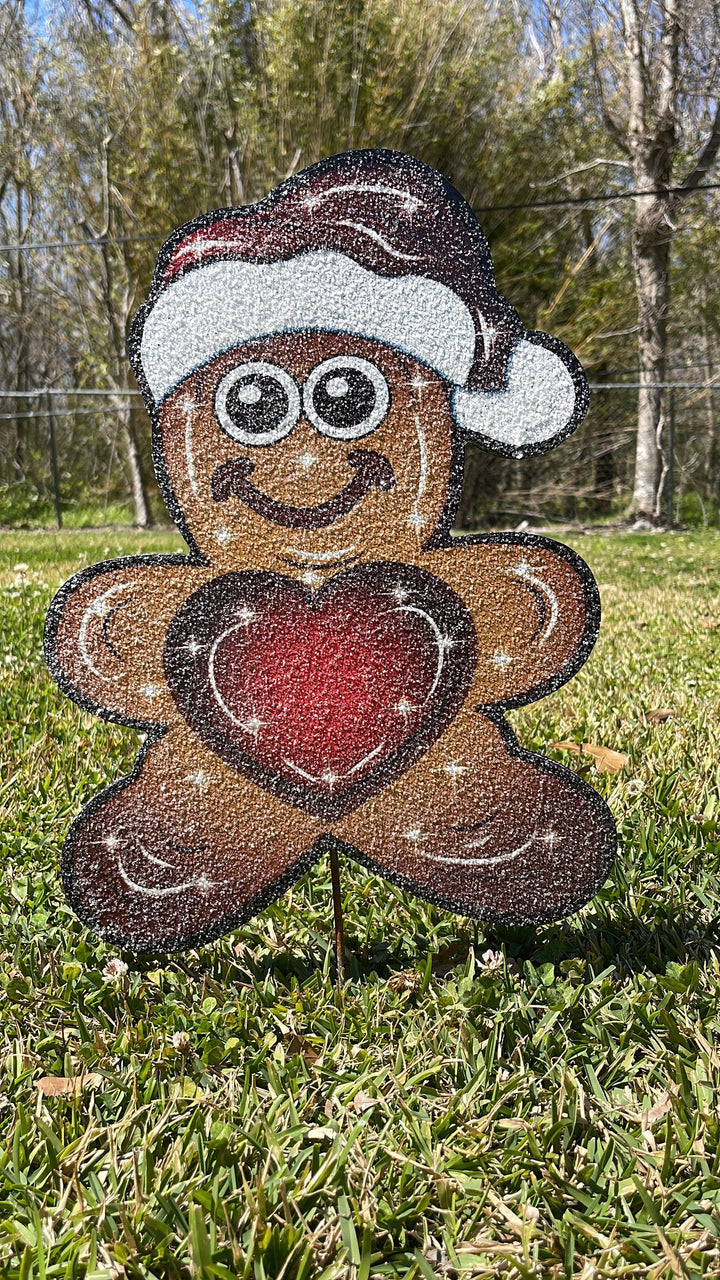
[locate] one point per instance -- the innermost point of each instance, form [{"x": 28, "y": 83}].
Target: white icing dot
[
  {"x": 201, "y": 780},
  {"x": 453, "y": 769},
  {"x": 253, "y": 725},
  {"x": 414, "y": 835},
  {"x": 501, "y": 659}
]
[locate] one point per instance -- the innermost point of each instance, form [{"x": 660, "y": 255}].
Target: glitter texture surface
[{"x": 328, "y": 665}]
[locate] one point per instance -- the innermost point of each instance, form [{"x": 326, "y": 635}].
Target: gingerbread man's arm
[
  {"x": 536, "y": 611},
  {"x": 105, "y": 633}
]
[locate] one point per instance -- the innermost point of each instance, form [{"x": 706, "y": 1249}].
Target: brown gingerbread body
[{"x": 213, "y": 824}]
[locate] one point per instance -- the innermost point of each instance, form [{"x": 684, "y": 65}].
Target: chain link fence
[
  {"x": 62, "y": 461},
  {"x": 62, "y": 458},
  {"x": 589, "y": 479}
]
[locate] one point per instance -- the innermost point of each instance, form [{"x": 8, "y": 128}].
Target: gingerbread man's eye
[
  {"x": 346, "y": 397},
  {"x": 257, "y": 403}
]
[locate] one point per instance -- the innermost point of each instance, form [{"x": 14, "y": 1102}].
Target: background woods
[{"x": 119, "y": 120}]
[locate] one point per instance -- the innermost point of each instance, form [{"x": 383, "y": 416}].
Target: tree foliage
[{"x": 120, "y": 119}]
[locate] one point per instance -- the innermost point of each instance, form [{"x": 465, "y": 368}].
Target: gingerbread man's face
[
  {"x": 309, "y": 448},
  {"x": 328, "y": 666}
]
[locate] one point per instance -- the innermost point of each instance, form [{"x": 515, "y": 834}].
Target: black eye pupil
[
  {"x": 344, "y": 397},
  {"x": 257, "y": 403}
]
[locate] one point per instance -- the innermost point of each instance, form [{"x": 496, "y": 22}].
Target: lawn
[{"x": 472, "y": 1102}]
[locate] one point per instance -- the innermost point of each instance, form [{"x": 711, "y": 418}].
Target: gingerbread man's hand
[
  {"x": 105, "y": 634},
  {"x": 536, "y": 610}
]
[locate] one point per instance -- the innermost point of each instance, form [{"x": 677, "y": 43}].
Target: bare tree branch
[
  {"x": 582, "y": 168},
  {"x": 707, "y": 158},
  {"x": 95, "y": 10},
  {"x": 615, "y": 128},
  {"x": 636, "y": 77}
]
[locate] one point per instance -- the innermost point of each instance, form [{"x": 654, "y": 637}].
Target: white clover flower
[
  {"x": 491, "y": 961},
  {"x": 635, "y": 787},
  {"x": 114, "y": 970}
]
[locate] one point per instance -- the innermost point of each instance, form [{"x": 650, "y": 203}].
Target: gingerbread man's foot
[
  {"x": 160, "y": 862},
  {"x": 512, "y": 838}
]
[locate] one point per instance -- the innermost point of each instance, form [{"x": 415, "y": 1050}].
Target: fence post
[
  {"x": 671, "y": 455},
  {"x": 53, "y": 459}
]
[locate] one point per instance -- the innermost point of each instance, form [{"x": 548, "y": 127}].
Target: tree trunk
[
  {"x": 22, "y": 366},
  {"x": 709, "y": 468},
  {"x": 141, "y": 510},
  {"x": 651, "y": 254},
  {"x": 138, "y": 495},
  {"x": 652, "y": 143}
]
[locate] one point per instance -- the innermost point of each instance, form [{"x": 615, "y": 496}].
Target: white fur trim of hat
[
  {"x": 536, "y": 405},
  {"x": 228, "y": 302}
]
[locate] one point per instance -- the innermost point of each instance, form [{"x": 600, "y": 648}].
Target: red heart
[{"x": 322, "y": 698}]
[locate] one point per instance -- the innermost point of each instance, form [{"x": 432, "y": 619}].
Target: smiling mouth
[{"x": 372, "y": 471}]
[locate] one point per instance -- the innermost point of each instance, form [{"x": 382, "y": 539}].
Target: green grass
[{"x": 548, "y": 1109}]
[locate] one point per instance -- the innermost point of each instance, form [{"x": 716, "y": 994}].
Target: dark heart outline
[{"x": 448, "y": 609}]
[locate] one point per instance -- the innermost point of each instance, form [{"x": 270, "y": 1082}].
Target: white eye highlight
[
  {"x": 337, "y": 387},
  {"x": 257, "y": 403},
  {"x": 249, "y": 393},
  {"x": 346, "y": 397}
]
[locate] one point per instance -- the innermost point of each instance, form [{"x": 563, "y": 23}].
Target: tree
[
  {"x": 120, "y": 119},
  {"x": 658, "y": 83},
  {"x": 125, "y": 161},
  {"x": 21, "y": 70}
]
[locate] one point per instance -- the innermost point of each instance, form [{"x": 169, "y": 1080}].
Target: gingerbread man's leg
[
  {"x": 182, "y": 850},
  {"x": 486, "y": 829}
]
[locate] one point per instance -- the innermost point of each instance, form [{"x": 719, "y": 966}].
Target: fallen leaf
[
  {"x": 405, "y": 980},
  {"x": 606, "y": 760},
  {"x": 515, "y": 1223},
  {"x": 434, "y": 1252},
  {"x": 64, "y": 1086},
  {"x": 185, "y": 1088},
  {"x": 363, "y": 1102},
  {"x": 484, "y": 1245},
  {"x": 657, "y": 1111},
  {"x": 449, "y": 958},
  {"x": 660, "y": 715},
  {"x": 300, "y": 1047}
]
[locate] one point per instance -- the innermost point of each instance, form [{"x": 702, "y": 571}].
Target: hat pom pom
[{"x": 544, "y": 400}]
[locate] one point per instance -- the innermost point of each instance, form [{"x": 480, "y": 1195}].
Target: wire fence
[
  {"x": 62, "y": 461},
  {"x": 552, "y": 202},
  {"x": 590, "y": 478}
]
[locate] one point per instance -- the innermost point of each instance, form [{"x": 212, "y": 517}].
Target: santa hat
[{"x": 374, "y": 244}]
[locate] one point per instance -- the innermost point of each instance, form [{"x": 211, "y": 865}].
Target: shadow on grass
[
  {"x": 628, "y": 943},
  {"x": 631, "y": 944}
]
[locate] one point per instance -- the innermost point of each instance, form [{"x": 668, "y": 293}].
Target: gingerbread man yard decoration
[{"x": 328, "y": 666}]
